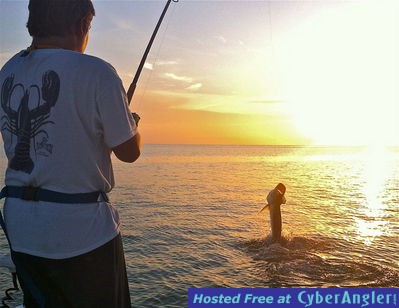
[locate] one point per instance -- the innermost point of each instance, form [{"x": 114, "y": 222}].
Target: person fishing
[
  {"x": 274, "y": 200},
  {"x": 63, "y": 114}
]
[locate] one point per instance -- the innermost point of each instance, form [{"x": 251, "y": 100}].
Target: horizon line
[{"x": 272, "y": 145}]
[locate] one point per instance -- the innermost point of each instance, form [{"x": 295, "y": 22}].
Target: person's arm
[{"x": 130, "y": 150}]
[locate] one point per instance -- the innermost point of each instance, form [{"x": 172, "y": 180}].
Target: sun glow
[
  {"x": 371, "y": 222},
  {"x": 339, "y": 75}
]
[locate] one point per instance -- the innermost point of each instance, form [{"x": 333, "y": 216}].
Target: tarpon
[{"x": 274, "y": 200}]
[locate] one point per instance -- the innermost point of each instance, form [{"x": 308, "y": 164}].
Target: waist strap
[{"x": 29, "y": 193}]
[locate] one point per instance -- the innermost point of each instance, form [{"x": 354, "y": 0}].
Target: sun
[{"x": 339, "y": 73}]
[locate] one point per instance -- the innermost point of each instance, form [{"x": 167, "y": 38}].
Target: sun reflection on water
[{"x": 377, "y": 170}]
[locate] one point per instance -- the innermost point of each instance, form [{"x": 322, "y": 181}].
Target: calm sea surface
[{"x": 190, "y": 219}]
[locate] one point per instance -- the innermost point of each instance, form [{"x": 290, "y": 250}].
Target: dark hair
[{"x": 57, "y": 17}]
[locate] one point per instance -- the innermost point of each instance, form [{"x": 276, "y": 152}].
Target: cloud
[
  {"x": 266, "y": 101},
  {"x": 164, "y": 63},
  {"x": 149, "y": 66},
  {"x": 195, "y": 87},
  {"x": 192, "y": 84},
  {"x": 221, "y": 38},
  {"x": 179, "y": 78}
]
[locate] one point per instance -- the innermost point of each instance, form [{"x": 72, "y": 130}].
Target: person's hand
[{"x": 136, "y": 118}]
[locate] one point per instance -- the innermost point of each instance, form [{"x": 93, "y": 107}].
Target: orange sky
[
  {"x": 249, "y": 72},
  {"x": 287, "y": 73},
  {"x": 165, "y": 124}
]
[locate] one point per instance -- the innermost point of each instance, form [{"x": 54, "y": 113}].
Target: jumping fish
[{"x": 274, "y": 200}]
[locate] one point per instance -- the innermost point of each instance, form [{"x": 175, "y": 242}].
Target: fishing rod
[{"x": 132, "y": 87}]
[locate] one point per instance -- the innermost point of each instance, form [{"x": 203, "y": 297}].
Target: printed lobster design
[{"x": 25, "y": 123}]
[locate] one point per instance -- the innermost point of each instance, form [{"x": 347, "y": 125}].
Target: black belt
[{"x": 29, "y": 193}]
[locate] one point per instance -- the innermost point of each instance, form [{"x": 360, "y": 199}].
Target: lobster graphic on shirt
[{"x": 27, "y": 123}]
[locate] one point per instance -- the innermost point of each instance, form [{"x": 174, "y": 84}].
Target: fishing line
[
  {"x": 133, "y": 85},
  {"x": 149, "y": 76},
  {"x": 269, "y": 6},
  {"x": 273, "y": 55}
]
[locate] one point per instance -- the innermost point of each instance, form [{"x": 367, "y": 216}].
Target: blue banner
[{"x": 295, "y": 297}]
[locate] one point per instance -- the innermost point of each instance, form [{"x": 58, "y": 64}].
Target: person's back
[
  {"x": 62, "y": 115},
  {"x": 69, "y": 131},
  {"x": 70, "y": 116}
]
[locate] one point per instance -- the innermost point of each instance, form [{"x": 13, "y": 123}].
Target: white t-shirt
[{"x": 61, "y": 114}]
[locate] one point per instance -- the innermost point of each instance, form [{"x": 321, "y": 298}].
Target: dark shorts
[{"x": 95, "y": 279}]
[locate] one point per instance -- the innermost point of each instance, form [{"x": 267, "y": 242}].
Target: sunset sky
[{"x": 249, "y": 72}]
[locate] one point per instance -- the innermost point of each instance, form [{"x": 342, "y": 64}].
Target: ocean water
[{"x": 190, "y": 219}]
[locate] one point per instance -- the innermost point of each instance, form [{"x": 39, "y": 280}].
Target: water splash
[{"x": 301, "y": 261}]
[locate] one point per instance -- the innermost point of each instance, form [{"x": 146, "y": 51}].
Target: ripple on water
[{"x": 300, "y": 261}]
